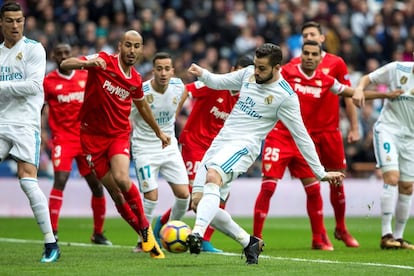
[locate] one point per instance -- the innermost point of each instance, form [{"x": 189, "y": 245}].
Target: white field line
[{"x": 8, "y": 240}]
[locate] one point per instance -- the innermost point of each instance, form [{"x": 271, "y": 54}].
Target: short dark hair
[
  {"x": 272, "y": 51},
  {"x": 312, "y": 24},
  {"x": 243, "y": 61},
  {"x": 10, "y": 6},
  {"x": 160, "y": 55},
  {"x": 312, "y": 43}
]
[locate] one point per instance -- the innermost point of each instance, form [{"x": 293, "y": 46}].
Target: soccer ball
[{"x": 173, "y": 236}]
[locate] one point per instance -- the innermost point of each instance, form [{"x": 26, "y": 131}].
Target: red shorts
[
  {"x": 281, "y": 152},
  {"x": 192, "y": 157},
  {"x": 330, "y": 147},
  {"x": 100, "y": 149},
  {"x": 64, "y": 152}
]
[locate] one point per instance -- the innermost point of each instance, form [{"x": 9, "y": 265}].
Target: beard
[{"x": 264, "y": 80}]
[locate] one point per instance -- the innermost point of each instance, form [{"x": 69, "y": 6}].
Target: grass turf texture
[{"x": 287, "y": 251}]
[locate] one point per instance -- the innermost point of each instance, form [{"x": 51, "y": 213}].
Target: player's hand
[
  {"x": 97, "y": 62},
  {"x": 334, "y": 177},
  {"x": 394, "y": 94},
  {"x": 195, "y": 70},
  {"x": 165, "y": 139},
  {"x": 359, "y": 97},
  {"x": 353, "y": 136}
]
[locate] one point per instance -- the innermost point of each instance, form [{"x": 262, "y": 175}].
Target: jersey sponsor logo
[
  {"x": 6, "y": 74},
  {"x": 219, "y": 114},
  {"x": 305, "y": 89},
  {"x": 116, "y": 90},
  {"x": 246, "y": 105},
  {"x": 75, "y": 96}
]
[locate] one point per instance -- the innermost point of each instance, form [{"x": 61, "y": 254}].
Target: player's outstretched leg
[
  {"x": 253, "y": 250},
  {"x": 194, "y": 241}
]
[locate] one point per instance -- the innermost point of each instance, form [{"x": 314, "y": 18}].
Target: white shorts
[
  {"x": 168, "y": 163},
  {"x": 229, "y": 161},
  {"x": 21, "y": 142},
  {"x": 394, "y": 150}
]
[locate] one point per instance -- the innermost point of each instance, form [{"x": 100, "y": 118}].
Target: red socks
[
  {"x": 314, "y": 206},
  {"x": 338, "y": 203},
  {"x": 135, "y": 202},
  {"x": 261, "y": 208},
  {"x": 55, "y": 204},
  {"x": 99, "y": 209}
]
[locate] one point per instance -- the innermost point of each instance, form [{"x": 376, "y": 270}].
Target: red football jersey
[
  {"x": 211, "y": 108},
  {"x": 108, "y": 97},
  {"x": 64, "y": 96},
  {"x": 317, "y": 101},
  {"x": 334, "y": 66}
]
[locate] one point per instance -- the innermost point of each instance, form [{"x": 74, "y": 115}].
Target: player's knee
[{"x": 213, "y": 177}]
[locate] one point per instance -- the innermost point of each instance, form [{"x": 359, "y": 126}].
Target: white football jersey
[
  {"x": 397, "y": 113},
  {"x": 163, "y": 107},
  {"x": 22, "y": 69},
  {"x": 256, "y": 112}
]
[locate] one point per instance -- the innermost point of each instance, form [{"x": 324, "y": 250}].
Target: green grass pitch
[{"x": 286, "y": 252}]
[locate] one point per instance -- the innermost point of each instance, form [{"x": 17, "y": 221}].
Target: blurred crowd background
[{"x": 214, "y": 33}]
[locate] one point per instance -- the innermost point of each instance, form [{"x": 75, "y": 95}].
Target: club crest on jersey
[
  {"x": 175, "y": 101},
  {"x": 412, "y": 92},
  {"x": 267, "y": 166},
  {"x": 326, "y": 71},
  {"x": 318, "y": 82},
  {"x": 149, "y": 98},
  {"x": 56, "y": 162},
  {"x": 82, "y": 83},
  {"x": 145, "y": 184},
  {"x": 268, "y": 100},
  {"x": 252, "y": 78},
  {"x": 19, "y": 56},
  {"x": 403, "y": 80}
]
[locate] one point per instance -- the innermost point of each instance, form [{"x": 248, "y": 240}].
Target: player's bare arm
[
  {"x": 371, "y": 94},
  {"x": 76, "y": 63},
  {"x": 146, "y": 113}
]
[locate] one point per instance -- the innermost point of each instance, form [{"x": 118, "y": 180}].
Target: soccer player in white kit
[
  {"x": 265, "y": 97},
  {"x": 394, "y": 149},
  {"x": 164, "y": 93},
  {"x": 22, "y": 69}
]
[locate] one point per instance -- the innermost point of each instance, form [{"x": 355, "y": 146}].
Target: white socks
[
  {"x": 207, "y": 208},
  {"x": 179, "y": 208},
  {"x": 149, "y": 206},
  {"x": 387, "y": 207},
  {"x": 225, "y": 224},
  {"x": 402, "y": 213},
  {"x": 39, "y": 205}
]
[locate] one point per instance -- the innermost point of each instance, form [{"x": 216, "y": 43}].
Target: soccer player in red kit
[
  {"x": 324, "y": 124},
  {"x": 213, "y": 106},
  {"x": 64, "y": 92},
  {"x": 112, "y": 85}
]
